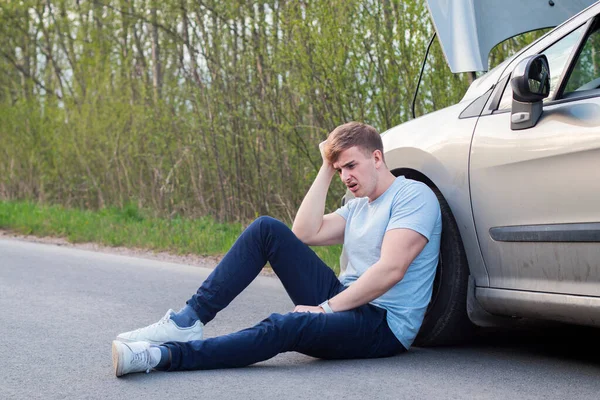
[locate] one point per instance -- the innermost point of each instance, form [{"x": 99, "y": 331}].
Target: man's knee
[
  {"x": 265, "y": 220},
  {"x": 265, "y": 225}
]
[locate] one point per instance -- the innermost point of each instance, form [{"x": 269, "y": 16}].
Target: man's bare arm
[
  {"x": 399, "y": 248},
  {"x": 311, "y": 225}
]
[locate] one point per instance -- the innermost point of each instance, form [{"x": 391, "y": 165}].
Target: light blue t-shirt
[{"x": 405, "y": 204}]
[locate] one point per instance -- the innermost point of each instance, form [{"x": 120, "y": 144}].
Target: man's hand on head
[
  {"x": 326, "y": 163},
  {"x": 311, "y": 225},
  {"x": 309, "y": 309}
]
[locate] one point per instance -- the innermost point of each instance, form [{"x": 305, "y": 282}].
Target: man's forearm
[
  {"x": 398, "y": 250},
  {"x": 310, "y": 214},
  {"x": 373, "y": 283}
]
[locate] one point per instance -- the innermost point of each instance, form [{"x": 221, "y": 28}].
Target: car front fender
[{"x": 436, "y": 148}]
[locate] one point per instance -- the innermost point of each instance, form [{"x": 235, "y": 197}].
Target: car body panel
[
  {"x": 539, "y": 176},
  {"x": 469, "y": 29},
  {"x": 442, "y": 156},
  {"x": 583, "y": 310}
]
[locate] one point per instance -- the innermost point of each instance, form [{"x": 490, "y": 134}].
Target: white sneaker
[
  {"x": 165, "y": 330},
  {"x": 132, "y": 357}
]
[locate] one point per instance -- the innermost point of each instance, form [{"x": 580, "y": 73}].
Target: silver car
[{"x": 514, "y": 165}]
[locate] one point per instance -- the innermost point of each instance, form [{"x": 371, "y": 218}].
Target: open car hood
[{"x": 469, "y": 29}]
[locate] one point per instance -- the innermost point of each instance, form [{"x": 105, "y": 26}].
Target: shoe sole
[
  {"x": 116, "y": 358},
  {"x": 124, "y": 340},
  {"x": 157, "y": 343}
]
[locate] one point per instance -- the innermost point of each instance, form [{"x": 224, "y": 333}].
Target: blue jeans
[{"x": 359, "y": 333}]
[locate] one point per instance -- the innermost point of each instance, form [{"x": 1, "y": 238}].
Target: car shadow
[{"x": 548, "y": 339}]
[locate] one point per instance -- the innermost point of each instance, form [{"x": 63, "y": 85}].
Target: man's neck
[{"x": 385, "y": 181}]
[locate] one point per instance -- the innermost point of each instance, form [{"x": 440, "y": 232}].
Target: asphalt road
[{"x": 61, "y": 307}]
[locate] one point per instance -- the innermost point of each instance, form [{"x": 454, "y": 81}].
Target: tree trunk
[{"x": 156, "y": 63}]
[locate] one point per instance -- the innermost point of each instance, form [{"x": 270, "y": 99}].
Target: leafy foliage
[{"x": 200, "y": 108}]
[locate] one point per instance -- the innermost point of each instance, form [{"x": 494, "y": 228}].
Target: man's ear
[{"x": 378, "y": 157}]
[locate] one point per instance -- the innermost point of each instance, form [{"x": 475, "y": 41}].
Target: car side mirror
[{"x": 530, "y": 83}]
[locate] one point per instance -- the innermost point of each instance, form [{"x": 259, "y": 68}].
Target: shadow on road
[{"x": 544, "y": 339}]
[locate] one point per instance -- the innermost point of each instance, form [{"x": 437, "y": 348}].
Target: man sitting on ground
[{"x": 391, "y": 233}]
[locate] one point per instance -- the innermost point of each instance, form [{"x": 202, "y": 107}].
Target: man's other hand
[{"x": 309, "y": 309}]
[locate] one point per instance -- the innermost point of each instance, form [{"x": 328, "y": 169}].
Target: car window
[
  {"x": 586, "y": 73},
  {"x": 558, "y": 55}
]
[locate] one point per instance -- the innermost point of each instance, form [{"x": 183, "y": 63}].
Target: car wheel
[{"x": 446, "y": 321}]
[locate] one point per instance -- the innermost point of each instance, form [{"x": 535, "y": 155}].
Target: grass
[{"x": 131, "y": 227}]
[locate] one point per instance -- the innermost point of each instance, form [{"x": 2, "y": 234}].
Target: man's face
[{"x": 358, "y": 171}]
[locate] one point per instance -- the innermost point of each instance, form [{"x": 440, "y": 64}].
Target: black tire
[{"x": 446, "y": 321}]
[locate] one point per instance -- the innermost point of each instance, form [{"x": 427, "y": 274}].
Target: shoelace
[{"x": 142, "y": 358}]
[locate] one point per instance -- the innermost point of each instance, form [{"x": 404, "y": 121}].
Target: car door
[{"x": 536, "y": 192}]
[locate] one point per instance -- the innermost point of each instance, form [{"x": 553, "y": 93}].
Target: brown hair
[{"x": 351, "y": 134}]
